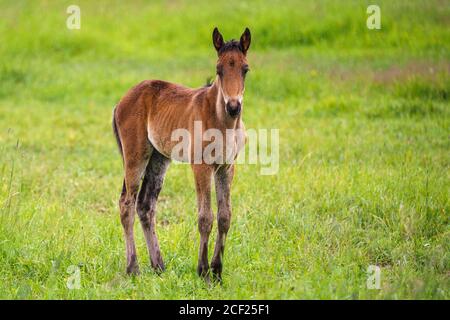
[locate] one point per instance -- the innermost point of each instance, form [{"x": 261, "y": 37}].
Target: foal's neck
[{"x": 217, "y": 106}]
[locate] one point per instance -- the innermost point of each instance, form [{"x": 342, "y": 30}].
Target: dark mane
[
  {"x": 230, "y": 46},
  {"x": 209, "y": 82}
]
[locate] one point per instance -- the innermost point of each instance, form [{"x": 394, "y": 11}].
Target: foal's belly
[
  {"x": 160, "y": 138},
  {"x": 192, "y": 144}
]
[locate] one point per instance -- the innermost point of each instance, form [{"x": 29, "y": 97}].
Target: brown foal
[{"x": 143, "y": 123}]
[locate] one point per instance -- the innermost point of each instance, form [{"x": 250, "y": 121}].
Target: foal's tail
[{"x": 116, "y": 132}]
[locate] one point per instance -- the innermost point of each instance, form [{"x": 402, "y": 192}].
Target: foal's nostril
[{"x": 233, "y": 108}]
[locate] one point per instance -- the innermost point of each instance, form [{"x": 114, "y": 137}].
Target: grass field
[{"x": 364, "y": 121}]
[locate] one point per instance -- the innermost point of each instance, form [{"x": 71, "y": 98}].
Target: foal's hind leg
[
  {"x": 146, "y": 205},
  {"x": 134, "y": 169},
  {"x": 223, "y": 180}
]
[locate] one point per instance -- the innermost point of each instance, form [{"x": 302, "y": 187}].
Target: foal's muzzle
[{"x": 233, "y": 108}]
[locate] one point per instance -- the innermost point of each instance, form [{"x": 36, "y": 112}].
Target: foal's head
[{"x": 231, "y": 69}]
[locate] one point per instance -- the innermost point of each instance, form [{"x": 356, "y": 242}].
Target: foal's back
[
  {"x": 153, "y": 109},
  {"x": 150, "y": 97}
]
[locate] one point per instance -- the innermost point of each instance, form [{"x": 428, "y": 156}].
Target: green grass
[{"x": 364, "y": 125}]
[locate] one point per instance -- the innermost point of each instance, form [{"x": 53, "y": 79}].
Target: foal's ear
[
  {"x": 217, "y": 39},
  {"x": 245, "y": 40}
]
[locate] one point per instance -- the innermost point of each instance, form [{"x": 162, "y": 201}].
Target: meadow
[{"x": 363, "y": 117}]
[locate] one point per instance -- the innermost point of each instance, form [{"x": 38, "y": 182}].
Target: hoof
[
  {"x": 156, "y": 261},
  {"x": 217, "y": 277},
  {"x": 133, "y": 265},
  {"x": 216, "y": 270},
  {"x": 133, "y": 270},
  {"x": 159, "y": 267},
  {"x": 203, "y": 272}
]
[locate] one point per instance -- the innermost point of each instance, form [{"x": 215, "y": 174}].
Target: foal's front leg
[
  {"x": 203, "y": 174},
  {"x": 223, "y": 179}
]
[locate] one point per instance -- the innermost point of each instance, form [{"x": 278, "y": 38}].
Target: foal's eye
[
  {"x": 219, "y": 71},
  {"x": 245, "y": 69}
]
